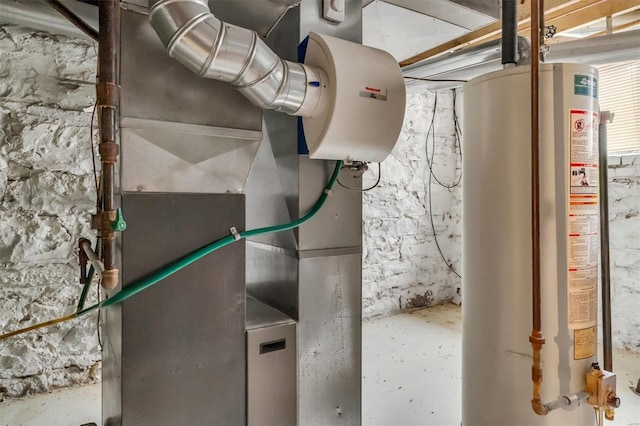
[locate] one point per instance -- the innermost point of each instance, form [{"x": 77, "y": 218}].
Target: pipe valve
[
  {"x": 601, "y": 387},
  {"x": 118, "y": 225}
]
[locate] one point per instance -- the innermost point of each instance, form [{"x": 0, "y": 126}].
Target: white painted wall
[{"x": 46, "y": 196}]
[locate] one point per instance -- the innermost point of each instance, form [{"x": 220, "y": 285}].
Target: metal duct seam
[{"x": 217, "y": 50}]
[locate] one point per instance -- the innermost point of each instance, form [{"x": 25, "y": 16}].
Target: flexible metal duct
[{"x": 220, "y": 51}]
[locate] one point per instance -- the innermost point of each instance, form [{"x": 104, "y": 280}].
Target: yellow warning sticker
[{"x": 584, "y": 343}]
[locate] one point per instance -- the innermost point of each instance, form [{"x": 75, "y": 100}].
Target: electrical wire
[
  {"x": 98, "y": 319},
  {"x": 91, "y": 273},
  {"x": 436, "y": 80},
  {"x": 432, "y": 176},
  {"x": 153, "y": 278},
  {"x": 432, "y": 131},
  {"x": 359, "y": 189},
  {"x": 93, "y": 151},
  {"x": 74, "y": 19},
  {"x": 435, "y": 235}
]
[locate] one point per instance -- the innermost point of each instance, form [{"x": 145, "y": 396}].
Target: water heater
[{"x": 496, "y": 371}]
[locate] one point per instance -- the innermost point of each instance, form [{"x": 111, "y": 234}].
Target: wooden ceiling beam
[
  {"x": 564, "y": 14},
  {"x": 593, "y": 13},
  {"x": 577, "y": 15},
  {"x": 616, "y": 28}
]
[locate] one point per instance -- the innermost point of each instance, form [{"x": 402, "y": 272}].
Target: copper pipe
[
  {"x": 605, "y": 117},
  {"x": 108, "y": 97},
  {"x": 74, "y": 19},
  {"x": 536, "y": 338}
]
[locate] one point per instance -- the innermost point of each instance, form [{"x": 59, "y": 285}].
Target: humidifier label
[
  {"x": 374, "y": 93},
  {"x": 583, "y": 240},
  {"x": 584, "y": 343},
  {"x": 585, "y": 85}
]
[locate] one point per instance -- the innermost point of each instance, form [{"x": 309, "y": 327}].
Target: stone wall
[
  {"x": 402, "y": 265},
  {"x": 46, "y": 196},
  {"x": 624, "y": 236}
]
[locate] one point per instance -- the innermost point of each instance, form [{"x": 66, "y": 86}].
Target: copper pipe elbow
[{"x": 110, "y": 279}]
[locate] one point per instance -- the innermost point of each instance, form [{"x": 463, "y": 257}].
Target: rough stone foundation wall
[
  {"x": 402, "y": 267},
  {"x": 46, "y": 196},
  {"x": 624, "y": 241}
]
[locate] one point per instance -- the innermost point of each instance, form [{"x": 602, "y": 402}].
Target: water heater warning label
[
  {"x": 583, "y": 241},
  {"x": 584, "y": 343}
]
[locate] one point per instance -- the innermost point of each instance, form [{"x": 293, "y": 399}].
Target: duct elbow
[{"x": 220, "y": 51}]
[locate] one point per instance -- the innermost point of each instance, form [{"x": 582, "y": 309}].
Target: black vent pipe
[{"x": 509, "y": 32}]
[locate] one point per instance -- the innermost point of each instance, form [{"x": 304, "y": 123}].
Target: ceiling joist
[{"x": 563, "y": 14}]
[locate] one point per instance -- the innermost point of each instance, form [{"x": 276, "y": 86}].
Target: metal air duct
[
  {"x": 225, "y": 52},
  {"x": 337, "y": 86}
]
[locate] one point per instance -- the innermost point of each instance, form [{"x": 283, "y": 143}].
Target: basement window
[{"x": 620, "y": 94}]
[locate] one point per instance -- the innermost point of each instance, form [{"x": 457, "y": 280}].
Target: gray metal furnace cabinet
[
  {"x": 271, "y": 366},
  {"x": 174, "y": 354}
]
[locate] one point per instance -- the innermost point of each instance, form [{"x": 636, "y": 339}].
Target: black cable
[
  {"x": 435, "y": 80},
  {"x": 99, "y": 286},
  {"x": 457, "y": 123},
  {"x": 431, "y": 176},
  {"x": 98, "y": 202},
  {"x": 435, "y": 235},
  {"x": 366, "y": 189},
  {"x": 93, "y": 153},
  {"x": 98, "y": 320},
  {"x": 432, "y": 131},
  {"x": 74, "y": 19}
]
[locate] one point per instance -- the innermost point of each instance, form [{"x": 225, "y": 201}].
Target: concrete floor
[{"x": 411, "y": 376}]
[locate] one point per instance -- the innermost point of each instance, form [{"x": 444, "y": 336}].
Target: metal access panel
[
  {"x": 329, "y": 340},
  {"x": 175, "y": 353},
  {"x": 271, "y": 366}
]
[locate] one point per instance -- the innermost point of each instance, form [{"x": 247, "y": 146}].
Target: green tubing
[
  {"x": 85, "y": 289},
  {"x": 146, "y": 282},
  {"x": 87, "y": 282}
]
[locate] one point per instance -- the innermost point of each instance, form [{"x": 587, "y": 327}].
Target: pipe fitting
[
  {"x": 539, "y": 408},
  {"x": 85, "y": 246},
  {"x": 110, "y": 279},
  {"x": 109, "y": 151}
]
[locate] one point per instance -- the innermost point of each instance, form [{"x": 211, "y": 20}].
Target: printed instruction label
[
  {"x": 584, "y": 343},
  {"x": 583, "y": 239}
]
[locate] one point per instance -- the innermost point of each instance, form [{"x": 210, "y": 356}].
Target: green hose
[
  {"x": 85, "y": 288},
  {"x": 146, "y": 282}
]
